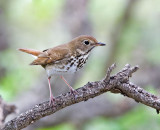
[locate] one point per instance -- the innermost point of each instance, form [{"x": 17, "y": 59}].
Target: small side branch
[
  {"x": 5, "y": 110},
  {"x": 118, "y": 83}
]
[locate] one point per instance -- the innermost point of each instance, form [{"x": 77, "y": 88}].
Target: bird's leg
[
  {"x": 52, "y": 99},
  {"x": 71, "y": 89}
]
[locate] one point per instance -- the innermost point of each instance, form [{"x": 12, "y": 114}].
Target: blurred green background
[{"x": 131, "y": 30}]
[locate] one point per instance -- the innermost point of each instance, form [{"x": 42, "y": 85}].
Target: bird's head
[{"x": 85, "y": 43}]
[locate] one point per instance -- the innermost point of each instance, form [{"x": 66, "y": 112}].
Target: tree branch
[
  {"x": 119, "y": 81},
  {"x": 5, "y": 110}
]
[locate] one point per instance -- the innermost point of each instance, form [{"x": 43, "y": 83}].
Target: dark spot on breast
[
  {"x": 70, "y": 60},
  {"x": 78, "y": 56},
  {"x": 71, "y": 64},
  {"x": 80, "y": 63},
  {"x": 81, "y": 60}
]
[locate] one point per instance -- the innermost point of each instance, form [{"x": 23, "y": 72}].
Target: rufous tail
[{"x": 30, "y": 51}]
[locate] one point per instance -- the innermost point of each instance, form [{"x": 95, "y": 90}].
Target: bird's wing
[{"x": 52, "y": 55}]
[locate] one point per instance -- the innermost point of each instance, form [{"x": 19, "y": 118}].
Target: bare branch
[
  {"x": 119, "y": 81},
  {"x": 5, "y": 110},
  {"x": 110, "y": 69}
]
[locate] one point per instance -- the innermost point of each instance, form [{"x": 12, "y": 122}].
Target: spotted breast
[{"x": 75, "y": 63}]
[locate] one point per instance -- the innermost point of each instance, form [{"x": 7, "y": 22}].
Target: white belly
[
  {"x": 62, "y": 68},
  {"x": 53, "y": 69}
]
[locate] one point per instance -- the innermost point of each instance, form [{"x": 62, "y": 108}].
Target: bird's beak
[{"x": 100, "y": 44}]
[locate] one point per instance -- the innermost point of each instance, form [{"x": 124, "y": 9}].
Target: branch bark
[{"x": 119, "y": 81}]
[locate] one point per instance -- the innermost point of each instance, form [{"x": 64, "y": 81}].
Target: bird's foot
[
  {"x": 52, "y": 100},
  {"x": 74, "y": 93}
]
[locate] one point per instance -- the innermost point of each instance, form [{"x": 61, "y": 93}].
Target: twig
[
  {"x": 119, "y": 81},
  {"x": 5, "y": 110}
]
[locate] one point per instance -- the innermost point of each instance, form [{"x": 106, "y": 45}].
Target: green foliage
[
  {"x": 36, "y": 13},
  {"x": 16, "y": 77},
  {"x": 65, "y": 126},
  {"x": 136, "y": 119},
  {"x": 101, "y": 124}
]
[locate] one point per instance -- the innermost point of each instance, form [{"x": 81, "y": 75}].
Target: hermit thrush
[{"x": 65, "y": 58}]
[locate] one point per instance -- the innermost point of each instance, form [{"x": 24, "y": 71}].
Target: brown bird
[{"x": 65, "y": 58}]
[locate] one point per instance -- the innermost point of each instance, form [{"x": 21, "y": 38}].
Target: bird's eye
[{"x": 86, "y": 42}]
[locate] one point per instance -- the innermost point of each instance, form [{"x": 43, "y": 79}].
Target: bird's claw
[
  {"x": 52, "y": 101},
  {"x": 74, "y": 93}
]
